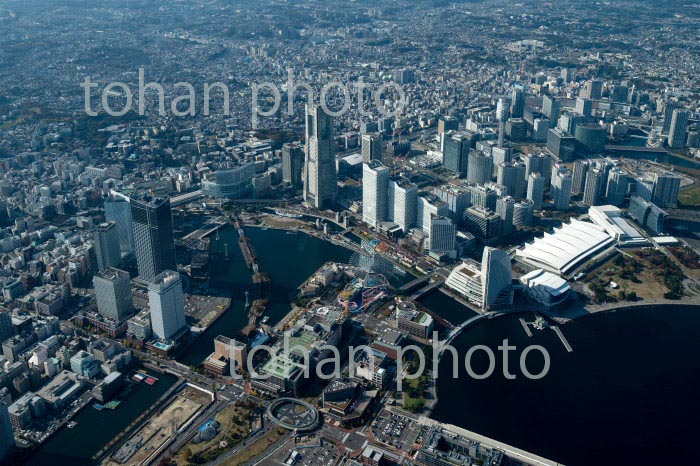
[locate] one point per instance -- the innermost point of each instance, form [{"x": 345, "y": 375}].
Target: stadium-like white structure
[{"x": 568, "y": 248}]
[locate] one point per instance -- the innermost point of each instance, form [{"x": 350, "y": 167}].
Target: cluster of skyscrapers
[{"x": 141, "y": 225}]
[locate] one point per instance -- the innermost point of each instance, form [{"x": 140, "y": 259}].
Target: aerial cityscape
[{"x": 324, "y": 233}]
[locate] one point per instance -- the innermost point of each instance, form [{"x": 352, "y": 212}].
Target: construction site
[{"x": 161, "y": 429}]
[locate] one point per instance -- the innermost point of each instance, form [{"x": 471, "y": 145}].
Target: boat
[
  {"x": 113, "y": 404},
  {"x": 265, "y": 319},
  {"x": 151, "y": 380},
  {"x": 71, "y": 424},
  {"x": 138, "y": 377},
  {"x": 98, "y": 406}
]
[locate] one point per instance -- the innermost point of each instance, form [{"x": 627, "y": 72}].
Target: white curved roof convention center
[{"x": 568, "y": 247}]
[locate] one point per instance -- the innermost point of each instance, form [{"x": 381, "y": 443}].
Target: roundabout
[{"x": 293, "y": 414}]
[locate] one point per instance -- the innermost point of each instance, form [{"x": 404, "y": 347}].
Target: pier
[
  {"x": 561, "y": 336},
  {"x": 526, "y": 327}
]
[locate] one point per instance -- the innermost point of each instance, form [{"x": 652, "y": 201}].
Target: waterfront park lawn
[
  {"x": 635, "y": 272},
  {"x": 689, "y": 197}
]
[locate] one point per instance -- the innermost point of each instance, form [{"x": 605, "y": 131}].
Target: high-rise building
[
  {"x": 523, "y": 213},
  {"x": 666, "y": 187},
  {"x": 455, "y": 155},
  {"x": 551, "y": 108},
  {"x": 535, "y": 190},
  {"x": 118, "y": 210},
  {"x": 497, "y": 278},
  {"x": 561, "y": 188},
  {"x": 592, "y": 89},
  {"x": 538, "y": 163},
  {"x": 619, "y": 93},
  {"x": 6, "y": 328},
  {"x": 617, "y": 187},
  {"x": 113, "y": 294},
  {"x": 166, "y": 304},
  {"x": 517, "y": 103},
  {"x": 679, "y": 126},
  {"x": 578, "y": 180},
  {"x": 371, "y": 147},
  {"x": 645, "y": 189},
  {"x": 457, "y": 197},
  {"x": 505, "y": 207},
  {"x": 447, "y": 123},
  {"x": 402, "y": 202},
  {"x": 320, "y": 177},
  {"x": 429, "y": 204},
  {"x": 107, "y": 248},
  {"x": 442, "y": 236},
  {"x": 512, "y": 176},
  {"x": 480, "y": 167},
  {"x": 484, "y": 196},
  {"x": 595, "y": 180},
  {"x": 153, "y": 235},
  {"x": 584, "y": 107},
  {"x": 375, "y": 193},
  {"x": 647, "y": 214},
  {"x": 7, "y": 439},
  {"x": 668, "y": 115},
  {"x": 405, "y": 76},
  {"x": 483, "y": 223},
  {"x": 292, "y": 163}
]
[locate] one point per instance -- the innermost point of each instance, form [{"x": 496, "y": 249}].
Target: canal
[{"x": 95, "y": 428}]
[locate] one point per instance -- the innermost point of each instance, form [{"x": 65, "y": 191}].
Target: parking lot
[
  {"x": 395, "y": 430},
  {"x": 326, "y": 455}
]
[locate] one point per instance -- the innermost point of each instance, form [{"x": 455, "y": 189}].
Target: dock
[
  {"x": 561, "y": 336},
  {"x": 526, "y": 327}
]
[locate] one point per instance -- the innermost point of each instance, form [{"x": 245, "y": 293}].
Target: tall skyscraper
[
  {"x": 679, "y": 127},
  {"x": 292, "y": 163},
  {"x": 666, "y": 187},
  {"x": 538, "y": 163},
  {"x": 118, "y": 210},
  {"x": 7, "y": 439},
  {"x": 480, "y": 167},
  {"x": 645, "y": 189},
  {"x": 429, "y": 204},
  {"x": 497, "y": 278},
  {"x": 523, "y": 213},
  {"x": 616, "y": 189},
  {"x": 402, "y": 202},
  {"x": 455, "y": 155},
  {"x": 535, "y": 190},
  {"x": 166, "y": 304},
  {"x": 458, "y": 198},
  {"x": 592, "y": 89},
  {"x": 551, "y": 108},
  {"x": 512, "y": 176},
  {"x": 501, "y": 117},
  {"x": 442, "y": 236},
  {"x": 505, "y": 208},
  {"x": 517, "y": 103},
  {"x": 375, "y": 193},
  {"x": 578, "y": 180},
  {"x": 6, "y": 328},
  {"x": 561, "y": 188},
  {"x": 670, "y": 106},
  {"x": 320, "y": 176},
  {"x": 107, "y": 248},
  {"x": 113, "y": 294},
  {"x": 584, "y": 107},
  {"x": 153, "y": 235},
  {"x": 595, "y": 180},
  {"x": 371, "y": 147}
]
